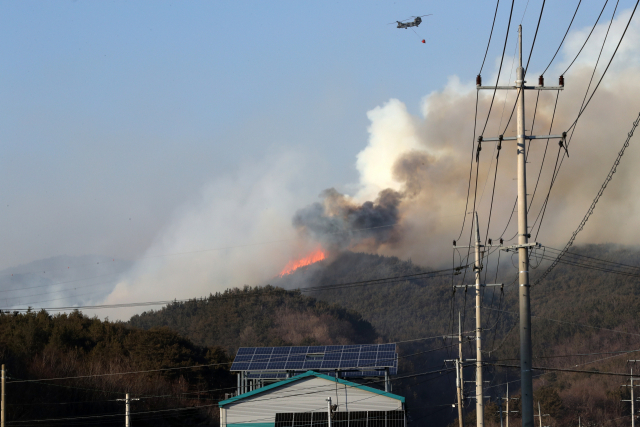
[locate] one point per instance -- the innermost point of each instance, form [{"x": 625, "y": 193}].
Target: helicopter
[{"x": 416, "y": 22}]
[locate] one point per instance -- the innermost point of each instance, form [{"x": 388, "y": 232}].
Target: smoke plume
[
  {"x": 411, "y": 198},
  {"x": 339, "y": 223},
  {"x": 424, "y": 160}
]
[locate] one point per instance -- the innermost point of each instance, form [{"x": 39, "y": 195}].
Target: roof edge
[{"x": 305, "y": 375}]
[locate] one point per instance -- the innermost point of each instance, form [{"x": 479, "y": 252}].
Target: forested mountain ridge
[
  {"x": 582, "y": 318},
  {"x": 261, "y": 316},
  {"x": 37, "y": 346},
  {"x": 576, "y": 311}
]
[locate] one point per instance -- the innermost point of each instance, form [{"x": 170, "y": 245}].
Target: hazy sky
[{"x": 117, "y": 117}]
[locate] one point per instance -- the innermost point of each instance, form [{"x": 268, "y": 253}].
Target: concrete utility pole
[
  {"x": 479, "y": 384},
  {"x": 632, "y": 400},
  {"x": 478, "y": 336},
  {"x": 460, "y": 371},
  {"x": 507, "y": 412},
  {"x": 540, "y": 415},
  {"x": 459, "y": 364},
  {"x": 523, "y": 254},
  {"x": 328, "y": 412},
  {"x": 126, "y": 411},
  {"x": 523, "y": 230},
  {"x": 2, "y": 407}
]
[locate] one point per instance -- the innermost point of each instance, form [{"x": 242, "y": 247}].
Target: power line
[
  {"x": 594, "y": 203},
  {"x": 568, "y": 323},
  {"x": 578, "y": 371},
  {"x": 557, "y": 166},
  {"x": 267, "y": 358},
  {"x": 607, "y": 68},
  {"x": 490, "y": 35},
  {"x": 499, "y": 69},
  {"x": 587, "y": 39},
  {"x": 565, "y": 36},
  {"x": 384, "y": 280}
]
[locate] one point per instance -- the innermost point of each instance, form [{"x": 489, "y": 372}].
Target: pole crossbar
[
  {"x": 483, "y": 285},
  {"x": 526, "y": 245},
  {"x": 517, "y": 87},
  {"x": 527, "y": 137}
]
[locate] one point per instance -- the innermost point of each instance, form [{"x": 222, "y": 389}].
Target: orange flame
[{"x": 293, "y": 265}]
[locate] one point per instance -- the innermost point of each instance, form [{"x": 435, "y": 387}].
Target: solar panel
[{"x": 351, "y": 360}]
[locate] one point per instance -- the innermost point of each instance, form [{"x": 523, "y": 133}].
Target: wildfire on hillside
[{"x": 293, "y": 265}]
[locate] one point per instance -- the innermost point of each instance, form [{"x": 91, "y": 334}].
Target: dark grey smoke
[{"x": 339, "y": 223}]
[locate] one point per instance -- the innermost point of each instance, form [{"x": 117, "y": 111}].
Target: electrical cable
[
  {"x": 392, "y": 279},
  {"x": 473, "y": 149},
  {"x": 544, "y": 155},
  {"x": 526, "y": 68},
  {"x": 594, "y": 203},
  {"x": 490, "y": 35},
  {"x": 587, "y": 39},
  {"x": 584, "y": 325},
  {"x": 565, "y": 36},
  {"x": 499, "y": 68},
  {"x": 607, "y": 68}
]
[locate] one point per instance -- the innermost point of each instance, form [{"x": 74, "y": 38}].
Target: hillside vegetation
[
  {"x": 260, "y": 317},
  {"x": 40, "y": 346},
  {"x": 580, "y": 303}
]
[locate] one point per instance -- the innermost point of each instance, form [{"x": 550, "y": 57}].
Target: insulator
[
  {"x": 478, "y": 80},
  {"x": 489, "y": 241},
  {"x": 561, "y": 81},
  {"x": 541, "y": 81},
  {"x": 501, "y": 241},
  {"x": 454, "y": 243}
]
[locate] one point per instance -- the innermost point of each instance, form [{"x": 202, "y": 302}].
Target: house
[{"x": 306, "y": 400}]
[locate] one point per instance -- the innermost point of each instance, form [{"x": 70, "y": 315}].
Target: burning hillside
[{"x": 293, "y": 265}]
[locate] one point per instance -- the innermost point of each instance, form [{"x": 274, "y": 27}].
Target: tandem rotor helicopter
[
  {"x": 408, "y": 23},
  {"x": 416, "y": 22}
]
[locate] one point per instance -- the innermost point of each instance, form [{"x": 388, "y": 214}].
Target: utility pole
[
  {"x": 507, "y": 412},
  {"x": 523, "y": 229},
  {"x": 126, "y": 411},
  {"x": 328, "y": 412},
  {"x": 478, "y": 286},
  {"x": 479, "y": 384},
  {"x": 460, "y": 371},
  {"x": 2, "y": 406},
  {"x": 632, "y": 400},
  {"x": 459, "y": 364},
  {"x": 540, "y": 415}
]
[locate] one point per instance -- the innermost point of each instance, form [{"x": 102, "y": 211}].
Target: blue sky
[{"x": 115, "y": 114}]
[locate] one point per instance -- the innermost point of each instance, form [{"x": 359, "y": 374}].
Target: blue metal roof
[{"x": 306, "y": 375}]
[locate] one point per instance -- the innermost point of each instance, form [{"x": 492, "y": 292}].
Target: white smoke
[
  {"x": 426, "y": 158},
  {"x": 238, "y": 233}
]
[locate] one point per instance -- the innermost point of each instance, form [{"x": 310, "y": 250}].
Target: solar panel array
[{"x": 352, "y": 360}]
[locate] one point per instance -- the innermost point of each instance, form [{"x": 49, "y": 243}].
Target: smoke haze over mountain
[{"x": 413, "y": 178}]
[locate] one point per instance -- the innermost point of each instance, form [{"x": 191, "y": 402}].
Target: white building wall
[{"x": 304, "y": 395}]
